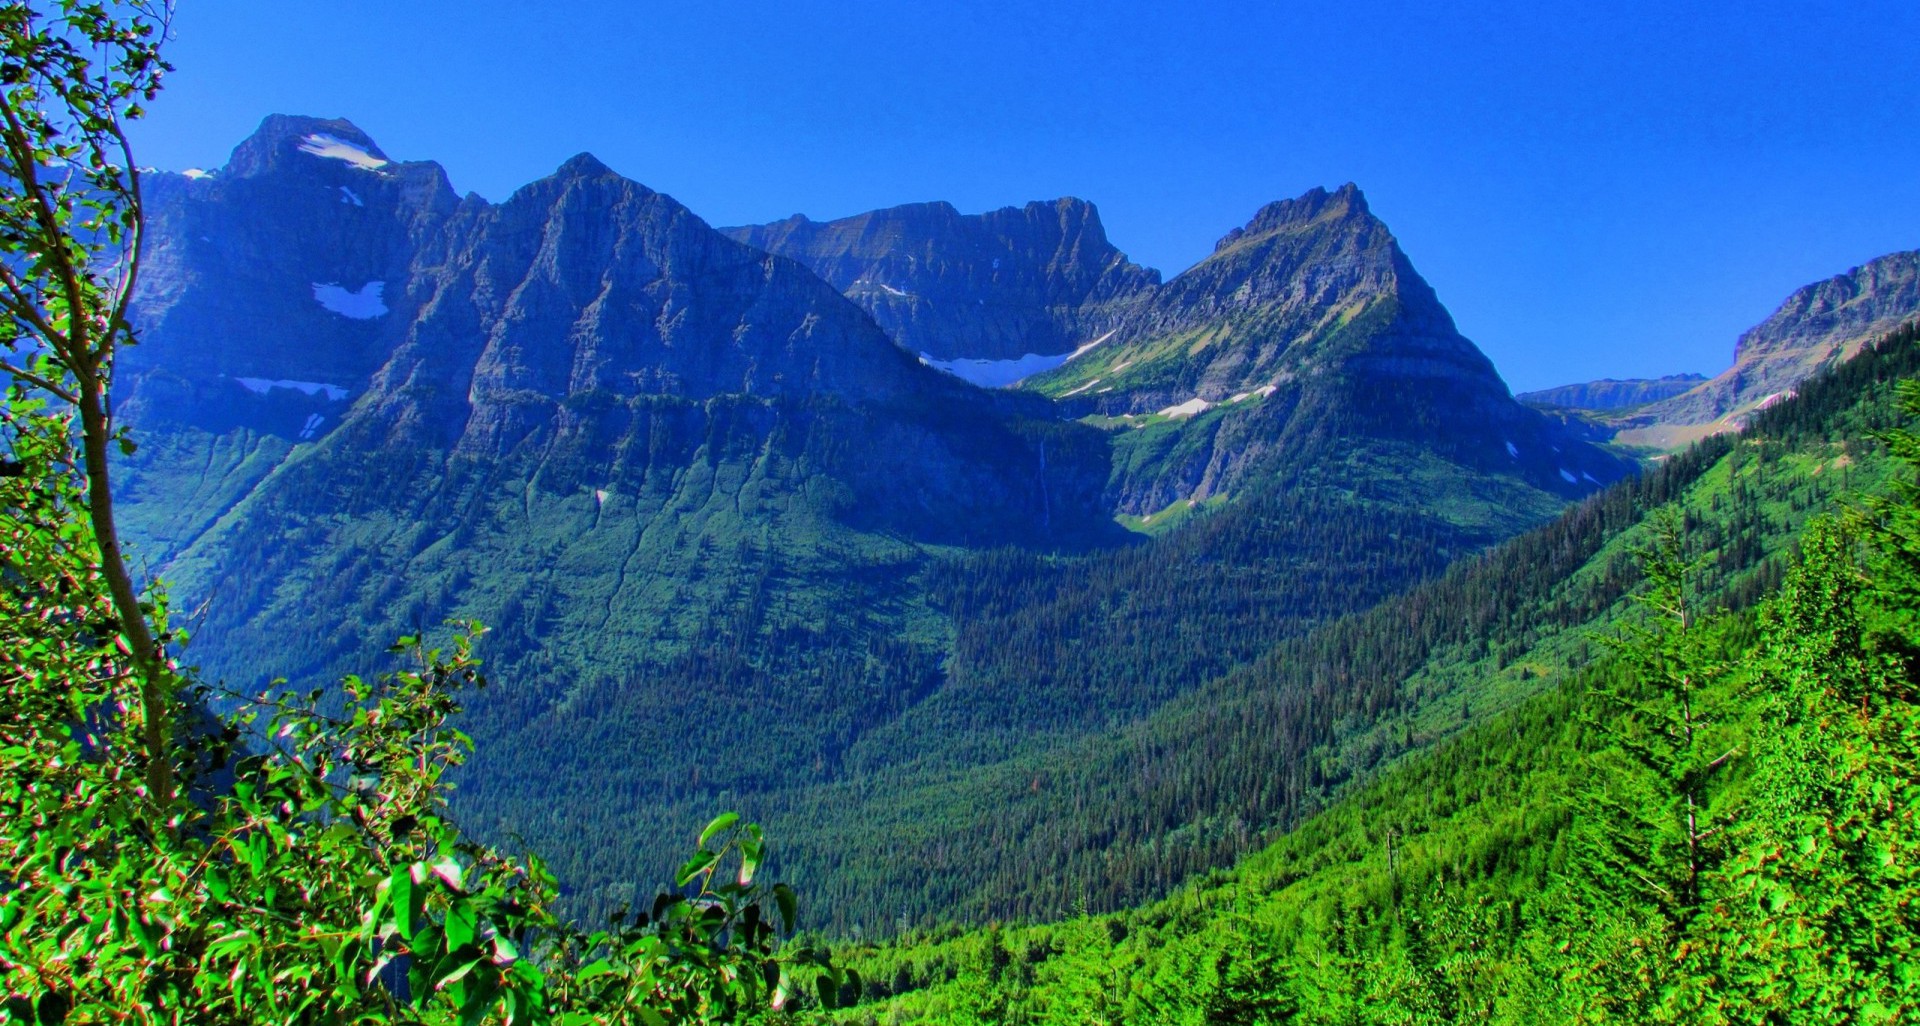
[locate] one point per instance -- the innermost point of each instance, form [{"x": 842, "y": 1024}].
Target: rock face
[
  {"x": 1307, "y": 325},
  {"x": 1611, "y": 393},
  {"x": 312, "y": 269},
  {"x": 1307, "y": 283},
  {"x": 458, "y": 366},
  {"x": 1014, "y": 282},
  {"x": 276, "y": 286},
  {"x": 1309, "y": 320},
  {"x": 1819, "y": 325}
]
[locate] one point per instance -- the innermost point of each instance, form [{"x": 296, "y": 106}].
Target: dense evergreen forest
[
  {"x": 1706, "y": 817},
  {"x": 928, "y": 680},
  {"x": 1104, "y": 820}
]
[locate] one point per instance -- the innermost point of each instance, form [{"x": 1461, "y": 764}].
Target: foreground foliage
[{"x": 291, "y": 860}]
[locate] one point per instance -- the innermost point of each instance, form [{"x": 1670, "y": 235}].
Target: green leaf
[
  {"x": 449, "y": 871},
  {"x": 463, "y": 922},
  {"x": 479, "y": 1002},
  {"x": 749, "y": 859},
  {"x": 789, "y": 904},
  {"x": 588, "y": 972},
  {"x": 457, "y": 973},
  {"x": 720, "y": 822},
  {"x": 408, "y": 901},
  {"x": 699, "y": 863}
]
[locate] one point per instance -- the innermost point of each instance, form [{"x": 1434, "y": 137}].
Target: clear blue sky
[{"x": 1594, "y": 189}]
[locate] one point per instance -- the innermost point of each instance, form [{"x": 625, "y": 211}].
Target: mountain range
[
  {"x": 1818, "y": 326},
  {"x": 750, "y": 534},
  {"x": 1611, "y": 393}
]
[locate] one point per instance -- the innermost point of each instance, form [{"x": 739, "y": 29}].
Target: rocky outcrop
[
  {"x": 1819, "y": 325},
  {"x": 1305, "y": 338},
  {"x": 1008, "y": 283}
]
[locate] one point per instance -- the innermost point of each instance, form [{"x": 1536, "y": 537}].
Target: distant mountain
[
  {"x": 1306, "y": 325},
  {"x": 1306, "y": 285},
  {"x": 1611, "y": 393},
  {"x": 284, "y": 272},
  {"x": 1819, "y": 325},
  {"x": 972, "y": 293},
  {"x": 1307, "y": 331},
  {"x": 580, "y": 414},
  {"x": 312, "y": 275}
]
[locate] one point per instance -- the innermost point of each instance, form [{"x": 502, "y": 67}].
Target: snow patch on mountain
[
  {"x": 261, "y": 386},
  {"x": 997, "y": 373},
  {"x": 1086, "y": 347},
  {"x": 363, "y": 305},
  {"x": 1191, "y": 408},
  {"x": 332, "y": 147}
]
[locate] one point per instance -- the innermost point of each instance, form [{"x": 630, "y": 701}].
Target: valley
[
  {"x": 802, "y": 574},
  {"x": 545, "y": 605},
  {"x": 970, "y": 654}
]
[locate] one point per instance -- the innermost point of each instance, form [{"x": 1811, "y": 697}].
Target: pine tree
[{"x": 1652, "y": 827}]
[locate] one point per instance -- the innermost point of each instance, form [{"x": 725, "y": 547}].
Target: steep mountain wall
[{"x": 1014, "y": 282}]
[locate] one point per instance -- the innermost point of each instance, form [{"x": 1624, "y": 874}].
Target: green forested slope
[
  {"x": 1505, "y": 871},
  {"x": 1106, "y": 820}
]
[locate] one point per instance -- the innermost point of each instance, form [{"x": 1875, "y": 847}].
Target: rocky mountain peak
[
  {"x": 284, "y": 139},
  {"x": 583, "y": 165},
  {"x": 1315, "y": 205},
  {"x": 1840, "y": 312},
  {"x": 998, "y": 286}
]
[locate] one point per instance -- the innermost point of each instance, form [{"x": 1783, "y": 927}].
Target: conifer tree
[{"x": 1650, "y": 816}]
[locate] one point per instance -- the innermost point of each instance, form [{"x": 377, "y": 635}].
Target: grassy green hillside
[{"x": 1472, "y": 880}]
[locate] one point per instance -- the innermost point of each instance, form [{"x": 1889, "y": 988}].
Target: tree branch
[{"x": 34, "y": 379}]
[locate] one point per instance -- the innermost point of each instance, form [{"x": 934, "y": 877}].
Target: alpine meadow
[{"x": 423, "y": 608}]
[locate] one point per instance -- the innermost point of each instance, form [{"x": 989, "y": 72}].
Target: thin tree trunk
[{"x": 96, "y": 429}]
